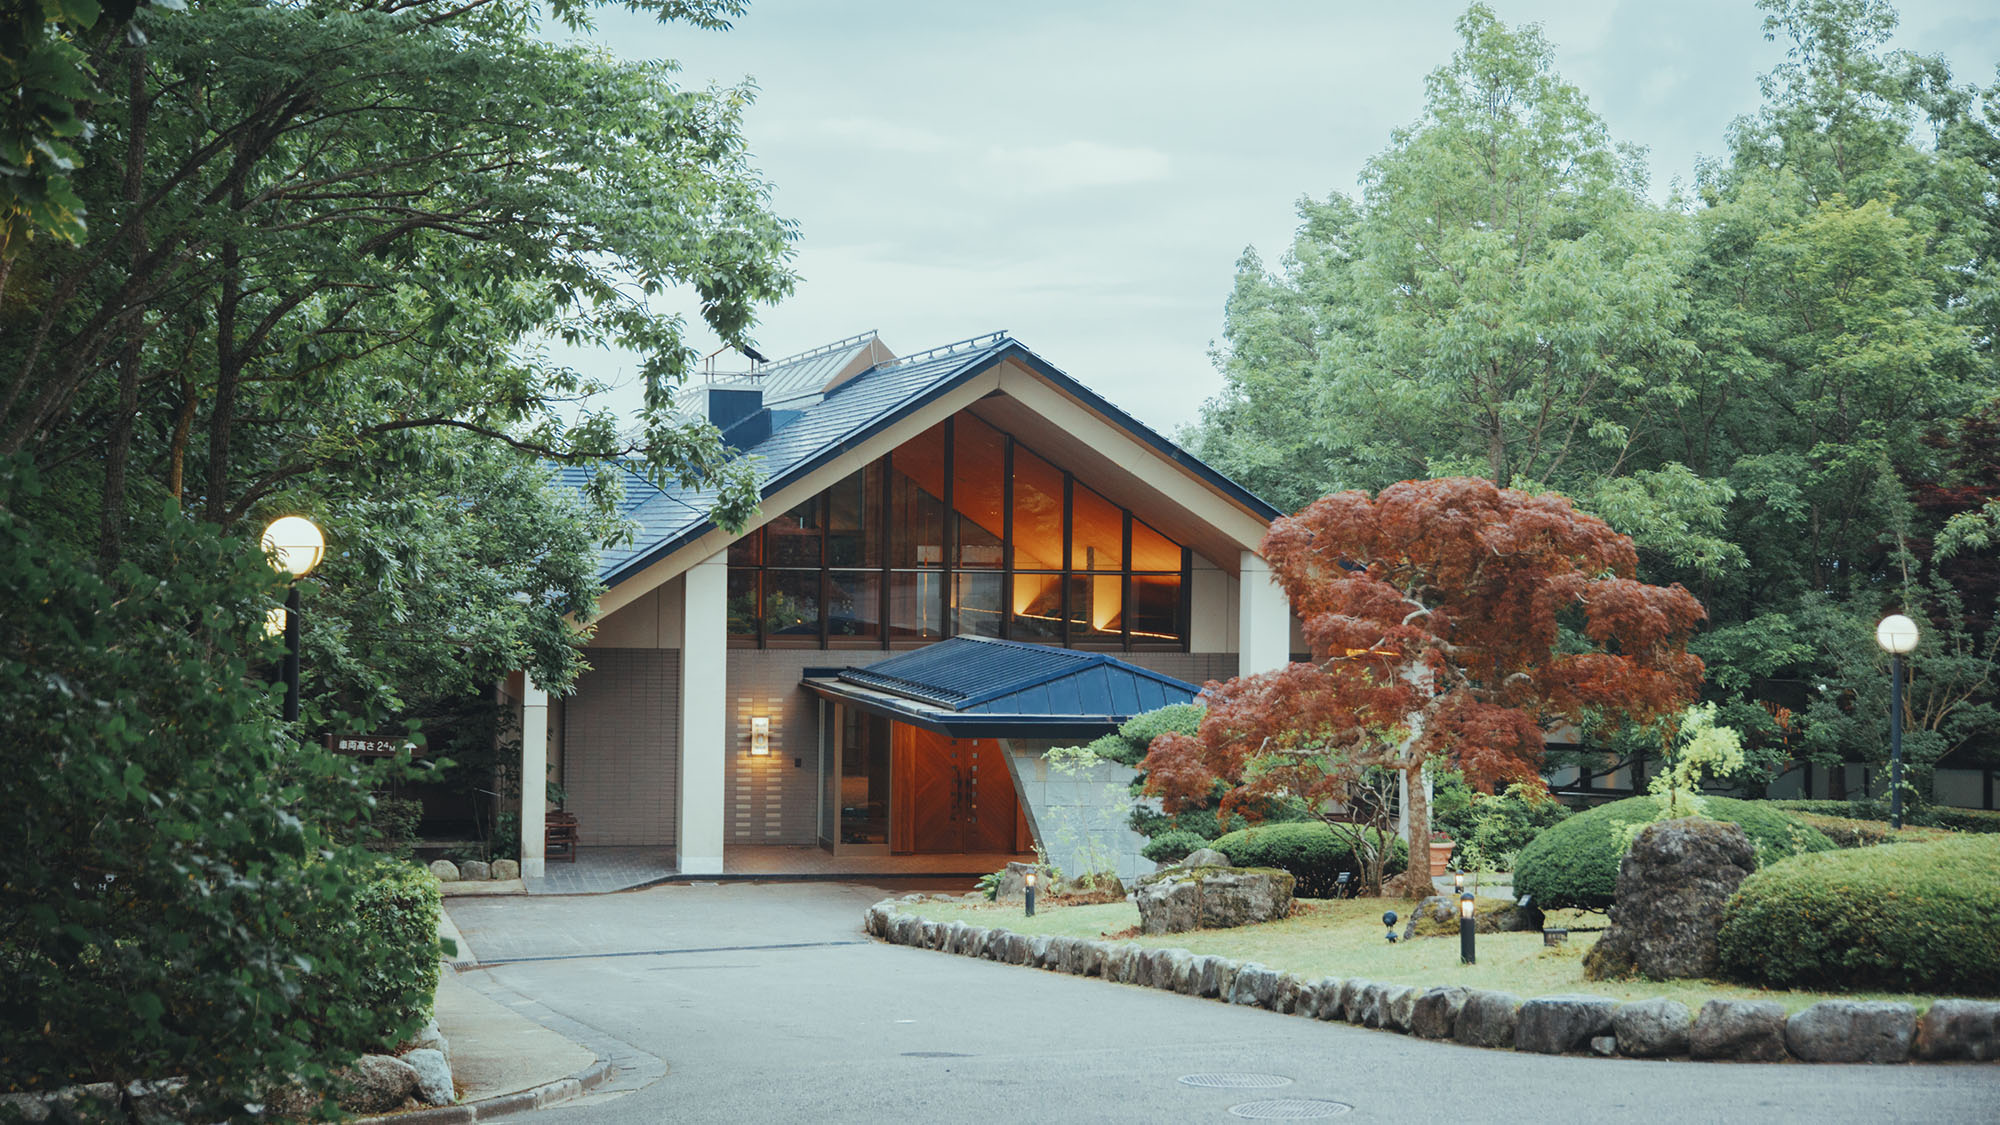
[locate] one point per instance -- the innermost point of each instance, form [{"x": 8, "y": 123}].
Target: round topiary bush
[
  {"x": 1916, "y": 916},
  {"x": 1312, "y": 851},
  {"x": 1575, "y": 863},
  {"x": 1173, "y": 846}
]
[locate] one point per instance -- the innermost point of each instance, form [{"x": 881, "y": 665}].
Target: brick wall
[
  {"x": 621, "y": 747},
  {"x": 774, "y": 800}
]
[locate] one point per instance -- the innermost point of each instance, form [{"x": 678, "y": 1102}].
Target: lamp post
[
  {"x": 1031, "y": 894},
  {"x": 1897, "y": 635},
  {"x": 295, "y": 546},
  {"x": 1465, "y": 928}
]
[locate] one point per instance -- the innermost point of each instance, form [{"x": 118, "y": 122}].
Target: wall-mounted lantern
[{"x": 760, "y": 736}]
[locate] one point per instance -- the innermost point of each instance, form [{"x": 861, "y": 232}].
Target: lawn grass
[{"x": 1343, "y": 938}]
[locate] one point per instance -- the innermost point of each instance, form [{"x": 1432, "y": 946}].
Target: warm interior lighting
[
  {"x": 297, "y": 543},
  {"x": 760, "y": 735}
]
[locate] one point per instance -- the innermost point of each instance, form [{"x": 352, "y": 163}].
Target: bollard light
[
  {"x": 1031, "y": 894},
  {"x": 1389, "y": 920},
  {"x": 1458, "y": 882},
  {"x": 1465, "y": 928}
]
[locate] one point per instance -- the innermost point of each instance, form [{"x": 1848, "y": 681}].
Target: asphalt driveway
[{"x": 767, "y": 1003}]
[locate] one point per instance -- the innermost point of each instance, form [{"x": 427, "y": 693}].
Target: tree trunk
[{"x": 1418, "y": 876}]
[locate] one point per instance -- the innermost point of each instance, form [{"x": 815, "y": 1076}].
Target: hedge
[
  {"x": 1914, "y": 917},
  {"x": 1173, "y": 846},
  {"x": 1935, "y": 816},
  {"x": 1575, "y": 863},
  {"x": 1848, "y": 832},
  {"x": 1311, "y": 850}
]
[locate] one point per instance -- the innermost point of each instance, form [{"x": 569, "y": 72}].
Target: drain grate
[
  {"x": 1290, "y": 1109},
  {"x": 1235, "y": 1081}
]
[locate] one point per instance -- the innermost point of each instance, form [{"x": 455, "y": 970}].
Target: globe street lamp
[
  {"x": 295, "y": 546},
  {"x": 1897, "y": 635}
]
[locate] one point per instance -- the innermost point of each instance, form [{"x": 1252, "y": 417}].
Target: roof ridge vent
[
  {"x": 970, "y": 343},
  {"x": 853, "y": 341}
]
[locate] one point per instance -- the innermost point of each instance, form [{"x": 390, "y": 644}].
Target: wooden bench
[{"x": 560, "y": 836}]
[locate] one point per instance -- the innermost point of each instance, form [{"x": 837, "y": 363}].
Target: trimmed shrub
[
  {"x": 1963, "y": 820},
  {"x": 1847, "y": 832},
  {"x": 1877, "y": 808},
  {"x": 1493, "y": 826},
  {"x": 393, "y": 920},
  {"x": 1173, "y": 846},
  {"x": 1312, "y": 851},
  {"x": 1575, "y": 863},
  {"x": 1916, "y": 916}
]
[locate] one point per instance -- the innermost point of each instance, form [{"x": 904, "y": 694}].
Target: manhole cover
[
  {"x": 1235, "y": 1081},
  {"x": 1290, "y": 1109}
]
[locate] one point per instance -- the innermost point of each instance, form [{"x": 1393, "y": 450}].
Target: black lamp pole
[
  {"x": 1465, "y": 928},
  {"x": 1895, "y": 740},
  {"x": 292, "y": 655}
]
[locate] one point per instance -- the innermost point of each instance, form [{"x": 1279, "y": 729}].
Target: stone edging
[
  {"x": 1845, "y": 1031},
  {"x": 540, "y": 1097}
]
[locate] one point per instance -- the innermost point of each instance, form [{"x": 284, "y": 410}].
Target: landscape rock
[
  {"x": 430, "y": 1036},
  {"x": 1960, "y": 1029},
  {"x": 433, "y": 1076},
  {"x": 1437, "y": 916},
  {"x": 1330, "y": 992},
  {"x": 1672, "y": 886},
  {"x": 1255, "y": 986},
  {"x": 1181, "y": 968},
  {"x": 1013, "y": 886},
  {"x": 1852, "y": 1031},
  {"x": 1351, "y": 991},
  {"x": 1038, "y": 950},
  {"x": 1215, "y": 898},
  {"x": 994, "y": 948},
  {"x": 1436, "y": 1011},
  {"x": 445, "y": 870},
  {"x": 1749, "y": 1030},
  {"x": 1205, "y": 857},
  {"x": 1017, "y": 949},
  {"x": 506, "y": 869},
  {"x": 475, "y": 871},
  {"x": 1399, "y": 1005},
  {"x": 1557, "y": 1025},
  {"x": 1218, "y": 977},
  {"x": 1117, "y": 961},
  {"x": 1306, "y": 1004},
  {"x": 1089, "y": 959},
  {"x": 376, "y": 1084},
  {"x": 1487, "y": 1019},
  {"x": 1374, "y": 999},
  {"x": 1604, "y": 1046},
  {"x": 1652, "y": 1029}
]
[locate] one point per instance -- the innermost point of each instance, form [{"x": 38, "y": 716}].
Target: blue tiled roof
[{"x": 802, "y": 441}]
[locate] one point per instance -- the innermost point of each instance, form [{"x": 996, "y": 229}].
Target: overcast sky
[{"x": 1085, "y": 175}]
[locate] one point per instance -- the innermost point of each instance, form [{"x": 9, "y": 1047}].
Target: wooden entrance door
[{"x": 955, "y": 795}]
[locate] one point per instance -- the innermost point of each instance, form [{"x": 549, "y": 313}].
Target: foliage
[
  {"x": 1917, "y": 916},
  {"x": 1778, "y": 383},
  {"x": 1938, "y": 816},
  {"x": 1964, "y": 820},
  {"x": 1492, "y": 825},
  {"x": 171, "y": 851},
  {"x": 1449, "y": 620},
  {"x": 1575, "y": 863},
  {"x": 1849, "y": 832},
  {"x": 394, "y": 917},
  {"x": 989, "y": 884},
  {"x": 1127, "y": 745},
  {"x": 1173, "y": 846},
  {"x": 1311, "y": 851},
  {"x": 1703, "y": 752}
]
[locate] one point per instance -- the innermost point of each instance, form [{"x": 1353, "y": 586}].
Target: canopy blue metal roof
[
  {"x": 981, "y": 687},
  {"x": 807, "y": 434}
]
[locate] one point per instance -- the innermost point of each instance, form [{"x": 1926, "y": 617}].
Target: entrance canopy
[{"x": 980, "y": 687}]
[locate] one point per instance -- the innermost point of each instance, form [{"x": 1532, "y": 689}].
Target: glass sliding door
[{"x": 859, "y": 787}]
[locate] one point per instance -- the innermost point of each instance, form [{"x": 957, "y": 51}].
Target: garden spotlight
[{"x": 1389, "y": 920}]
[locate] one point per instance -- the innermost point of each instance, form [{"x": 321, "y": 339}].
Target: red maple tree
[{"x": 1448, "y": 619}]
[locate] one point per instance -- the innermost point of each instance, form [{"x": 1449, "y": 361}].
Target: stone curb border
[
  {"x": 540, "y": 1097},
  {"x": 1831, "y": 1031}
]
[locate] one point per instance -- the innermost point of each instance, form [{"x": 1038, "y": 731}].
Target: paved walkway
[
  {"x": 767, "y": 1003},
  {"x": 605, "y": 870}
]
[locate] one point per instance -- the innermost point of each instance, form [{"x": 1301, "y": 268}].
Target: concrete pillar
[
  {"x": 704, "y": 717},
  {"x": 1264, "y": 619},
  {"x": 534, "y": 777}
]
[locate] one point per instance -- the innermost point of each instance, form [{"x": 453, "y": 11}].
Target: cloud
[
  {"x": 886, "y": 136},
  {"x": 1077, "y": 164}
]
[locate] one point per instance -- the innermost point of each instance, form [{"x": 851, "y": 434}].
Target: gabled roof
[
  {"x": 983, "y": 687},
  {"x": 808, "y": 433}
]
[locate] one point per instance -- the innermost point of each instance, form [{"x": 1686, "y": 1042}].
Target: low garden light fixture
[
  {"x": 1465, "y": 929},
  {"x": 1389, "y": 920},
  {"x": 295, "y": 546},
  {"x": 1897, "y": 635},
  {"x": 1458, "y": 882},
  {"x": 1031, "y": 894},
  {"x": 760, "y": 736}
]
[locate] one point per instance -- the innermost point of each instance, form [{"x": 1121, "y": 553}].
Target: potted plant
[{"x": 1441, "y": 848}]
